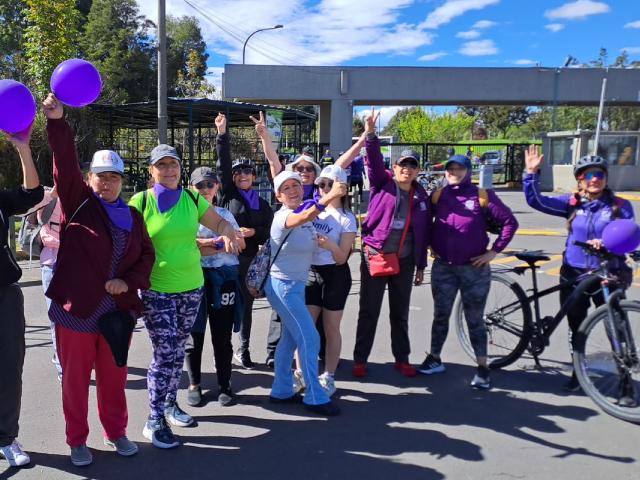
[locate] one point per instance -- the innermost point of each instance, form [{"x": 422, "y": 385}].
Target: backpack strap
[
  {"x": 483, "y": 197},
  {"x": 144, "y": 202},
  {"x": 48, "y": 211},
  {"x": 193, "y": 196},
  {"x": 435, "y": 196}
]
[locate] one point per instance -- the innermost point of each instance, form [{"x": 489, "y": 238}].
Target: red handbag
[{"x": 387, "y": 264}]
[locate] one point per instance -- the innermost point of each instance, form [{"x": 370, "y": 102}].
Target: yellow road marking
[
  {"x": 500, "y": 261},
  {"x": 552, "y": 258}
]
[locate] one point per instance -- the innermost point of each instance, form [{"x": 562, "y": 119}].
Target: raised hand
[
  {"x": 338, "y": 190},
  {"x": 370, "y": 121},
  {"x": 221, "y": 123},
  {"x": 52, "y": 108},
  {"x": 261, "y": 125},
  {"x": 21, "y": 139},
  {"x": 533, "y": 158}
]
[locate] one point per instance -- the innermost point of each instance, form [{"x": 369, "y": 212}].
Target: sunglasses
[
  {"x": 208, "y": 184},
  {"x": 407, "y": 164},
  {"x": 327, "y": 184},
  {"x": 591, "y": 175},
  {"x": 302, "y": 169},
  {"x": 243, "y": 171}
]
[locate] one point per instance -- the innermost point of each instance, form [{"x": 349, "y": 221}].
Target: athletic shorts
[{"x": 328, "y": 286}]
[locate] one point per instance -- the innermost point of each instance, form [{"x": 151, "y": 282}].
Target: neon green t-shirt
[{"x": 173, "y": 233}]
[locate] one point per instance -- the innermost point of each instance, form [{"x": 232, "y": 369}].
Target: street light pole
[
  {"x": 162, "y": 73},
  {"x": 244, "y": 47}
]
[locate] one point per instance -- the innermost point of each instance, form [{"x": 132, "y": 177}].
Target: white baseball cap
[
  {"x": 333, "y": 172},
  {"x": 106, "y": 161},
  {"x": 283, "y": 177}
]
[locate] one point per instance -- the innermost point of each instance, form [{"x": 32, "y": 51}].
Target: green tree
[
  {"x": 358, "y": 126},
  {"x": 13, "y": 24},
  {"x": 497, "y": 119},
  {"x": 186, "y": 52},
  {"x": 419, "y": 126},
  {"x": 51, "y": 37},
  {"x": 191, "y": 83},
  {"x": 391, "y": 129},
  {"x": 116, "y": 41}
]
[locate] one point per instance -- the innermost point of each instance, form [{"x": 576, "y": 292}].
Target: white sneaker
[
  {"x": 15, "y": 455},
  {"x": 298, "y": 381},
  {"x": 328, "y": 383}
]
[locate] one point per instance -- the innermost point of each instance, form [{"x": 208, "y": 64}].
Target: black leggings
[{"x": 221, "y": 324}]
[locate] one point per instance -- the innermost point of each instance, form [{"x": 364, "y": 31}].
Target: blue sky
[{"x": 430, "y": 33}]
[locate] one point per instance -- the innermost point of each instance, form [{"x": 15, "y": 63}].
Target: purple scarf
[
  {"x": 166, "y": 197},
  {"x": 251, "y": 198},
  {"x": 310, "y": 202},
  {"x": 118, "y": 212}
]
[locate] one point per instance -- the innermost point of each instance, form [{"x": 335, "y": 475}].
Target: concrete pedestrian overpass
[{"x": 338, "y": 89}]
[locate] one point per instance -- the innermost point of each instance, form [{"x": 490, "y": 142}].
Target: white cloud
[
  {"x": 524, "y": 61},
  {"x": 468, "y": 35},
  {"x": 452, "y": 9},
  {"x": 386, "y": 113},
  {"x": 635, "y": 24},
  {"x": 214, "y": 77},
  {"x": 577, "y": 10},
  {"x": 478, "y": 48},
  {"x": 330, "y": 32},
  {"x": 432, "y": 56},
  {"x": 631, "y": 50},
  {"x": 484, "y": 24},
  {"x": 554, "y": 27}
]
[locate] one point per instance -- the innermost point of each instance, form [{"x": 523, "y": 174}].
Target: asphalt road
[{"x": 425, "y": 428}]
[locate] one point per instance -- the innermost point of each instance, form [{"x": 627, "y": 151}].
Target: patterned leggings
[{"x": 168, "y": 318}]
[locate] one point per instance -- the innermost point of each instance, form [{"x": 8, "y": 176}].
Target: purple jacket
[
  {"x": 382, "y": 204},
  {"x": 590, "y": 220},
  {"x": 459, "y": 228}
]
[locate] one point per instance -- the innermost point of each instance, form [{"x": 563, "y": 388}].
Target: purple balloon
[
  {"x": 76, "y": 82},
  {"x": 17, "y": 105},
  {"x": 621, "y": 236}
]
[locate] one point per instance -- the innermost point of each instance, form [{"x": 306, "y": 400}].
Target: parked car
[{"x": 491, "y": 157}]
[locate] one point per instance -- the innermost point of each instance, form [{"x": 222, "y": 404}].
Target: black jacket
[
  {"x": 13, "y": 202},
  {"x": 231, "y": 199}
]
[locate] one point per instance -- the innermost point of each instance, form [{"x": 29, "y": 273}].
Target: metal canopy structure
[{"x": 190, "y": 112}]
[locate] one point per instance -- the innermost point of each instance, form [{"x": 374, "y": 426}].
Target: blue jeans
[
  {"x": 47, "y": 275},
  {"x": 298, "y": 331}
]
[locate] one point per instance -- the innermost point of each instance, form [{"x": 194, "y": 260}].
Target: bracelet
[{"x": 319, "y": 206}]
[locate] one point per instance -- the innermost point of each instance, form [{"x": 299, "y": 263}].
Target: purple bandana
[
  {"x": 166, "y": 197},
  {"x": 251, "y": 198},
  {"x": 118, "y": 212}
]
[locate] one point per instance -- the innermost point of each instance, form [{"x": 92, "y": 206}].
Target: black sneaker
[
  {"x": 572, "y": 385},
  {"x": 431, "y": 365},
  {"x": 226, "y": 398},
  {"x": 270, "y": 362},
  {"x": 244, "y": 359},
  {"x": 627, "y": 397},
  {"x": 481, "y": 379},
  {"x": 295, "y": 398},
  {"x": 194, "y": 397},
  {"x": 328, "y": 409}
]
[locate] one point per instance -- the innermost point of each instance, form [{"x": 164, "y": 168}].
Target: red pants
[{"x": 80, "y": 353}]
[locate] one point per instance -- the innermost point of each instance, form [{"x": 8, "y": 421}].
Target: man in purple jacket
[
  {"x": 459, "y": 243},
  {"x": 395, "y": 199}
]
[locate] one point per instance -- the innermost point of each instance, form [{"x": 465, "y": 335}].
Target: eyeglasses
[
  {"x": 201, "y": 185},
  {"x": 407, "y": 164},
  {"x": 302, "y": 169},
  {"x": 243, "y": 171},
  {"x": 327, "y": 184},
  {"x": 598, "y": 174}
]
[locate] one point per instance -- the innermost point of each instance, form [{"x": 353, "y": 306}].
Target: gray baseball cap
[
  {"x": 162, "y": 151},
  {"x": 409, "y": 154},
  {"x": 201, "y": 174}
]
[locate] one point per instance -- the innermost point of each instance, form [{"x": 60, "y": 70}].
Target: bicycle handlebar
[{"x": 601, "y": 252}]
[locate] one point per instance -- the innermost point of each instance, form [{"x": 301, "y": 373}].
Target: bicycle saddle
[{"x": 531, "y": 257}]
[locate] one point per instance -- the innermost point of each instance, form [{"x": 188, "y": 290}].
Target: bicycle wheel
[
  {"x": 507, "y": 319},
  {"x": 601, "y": 375}
]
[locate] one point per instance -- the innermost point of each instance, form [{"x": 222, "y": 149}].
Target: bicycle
[
  {"x": 512, "y": 329},
  {"x": 430, "y": 180}
]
